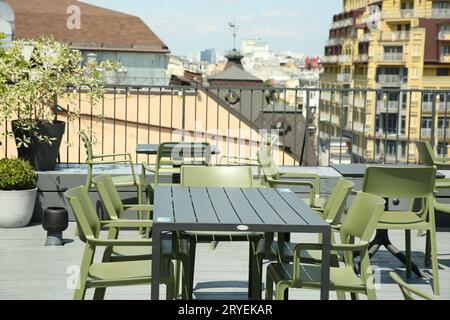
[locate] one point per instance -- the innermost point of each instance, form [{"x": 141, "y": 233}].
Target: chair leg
[
  {"x": 428, "y": 249},
  {"x": 80, "y": 292},
  {"x": 177, "y": 275},
  {"x": 255, "y": 269},
  {"x": 354, "y": 296},
  {"x": 408, "y": 252},
  {"x": 191, "y": 271},
  {"x": 140, "y": 213},
  {"x": 435, "y": 262},
  {"x": 185, "y": 279},
  {"x": 99, "y": 294},
  {"x": 269, "y": 287},
  {"x": 341, "y": 295},
  {"x": 281, "y": 289}
]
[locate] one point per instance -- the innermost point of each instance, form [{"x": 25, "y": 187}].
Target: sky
[{"x": 192, "y": 25}]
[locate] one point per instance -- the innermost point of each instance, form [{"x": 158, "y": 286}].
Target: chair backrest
[
  {"x": 87, "y": 144},
  {"x": 427, "y": 156},
  {"x": 109, "y": 196},
  {"x": 87, "y": 219},
  {"x": 335, "y": 205},
  {"x": 230, "y": 177},
  {"x": 400, "y": 182},
  {"x": 362, "y": 217},
  {"x": 268, "y": 165},
  {"x": 409, "y": 293}
]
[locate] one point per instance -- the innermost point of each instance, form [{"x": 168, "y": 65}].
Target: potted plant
[
  {"x": 17, "y": 193},
  {"x": 34, "y": 74}
]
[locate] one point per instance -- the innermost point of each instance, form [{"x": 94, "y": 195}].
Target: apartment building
[{"x": 389, "y": 46}]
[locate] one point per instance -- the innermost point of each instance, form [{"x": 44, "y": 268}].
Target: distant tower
[
  {"x": 234, "y": 29},
  {"x": 7, "y": 21}
]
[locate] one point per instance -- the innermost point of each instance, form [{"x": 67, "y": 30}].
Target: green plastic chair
[
  {"x": 408, "y": 291},
  {"x": 231, "y": 177},
  {"x": 92, "y": 160},
  {"x": 274, "y": 178},
  {"x": 169, "y": 159},
  {"x": 360, "y": 223},
  {"x": 114, "y": 208},
  {"x": 110, "y": 274},
  {"x": 428, "y": 157},
  {"x": 407, "y": 183},
  {"x": 332, "y": 213}
]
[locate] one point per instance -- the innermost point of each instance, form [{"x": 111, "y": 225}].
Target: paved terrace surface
[{"x": 29, "y": 270}]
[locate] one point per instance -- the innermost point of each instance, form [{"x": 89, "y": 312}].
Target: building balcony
[
  {"x": 343, "y": 58},
  {"x": 387, "y": 107},
  {"x": 344, "y": 77},
  {"x": 394, "y": 36},
  {"x": 444, "y": 35},
  {"x": 330, "y": 59},
  {"x": 334, "y": 42},
  {"x": 391, "y": 80},
  {"x": 361, "y": 58},
  {"x": 440, "y": 13},
  {"x": 366, "y": 37},
  {"x": 342, "y": 23},
  {"x": 427, "y": 107},
  {"x": 392, "y": 57},
  {"x": 400, "y": 14},
  {"x": 445, "y": 58}
]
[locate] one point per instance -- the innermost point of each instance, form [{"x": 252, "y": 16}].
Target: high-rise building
[
  {"x": 387, "y": 45},
  {"x": 208, "y": 55}
]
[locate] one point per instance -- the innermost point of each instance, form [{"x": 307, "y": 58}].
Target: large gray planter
[{"x": 17, "y": 208}]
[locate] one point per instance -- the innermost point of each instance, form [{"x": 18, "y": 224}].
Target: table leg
[
  {"x": 156, "y": 262},
  {"x": 325, "y": 277},
  {"x": 382, "y": 239}
]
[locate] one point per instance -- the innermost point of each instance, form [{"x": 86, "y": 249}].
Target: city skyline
[{"x": 292, "y": 25}]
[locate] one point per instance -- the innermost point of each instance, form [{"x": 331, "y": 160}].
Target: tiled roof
[
  {"x": 101, "y": 29},
  {"x": 234, "y": 73}
]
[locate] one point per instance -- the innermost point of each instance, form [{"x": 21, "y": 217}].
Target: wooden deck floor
[{"x": 29, "y": 270}]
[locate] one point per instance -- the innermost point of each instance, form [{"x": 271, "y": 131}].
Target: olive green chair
[
  {"x": 169, "y": 159},
  {"x": 332, "y": 213},
  {"x": 131, "y": 180},
  {"x": 100, "y": 275},
  {"x": 408, "y": 291},
  {"x": 409, "y": 183},
  {"x": 230, "y": 177},
  {"x": 274, "y": 178},
  {"x": 360, "y": 223},
  {"x": 428, "y": 157},
  {"x": 115, "y": 209}
]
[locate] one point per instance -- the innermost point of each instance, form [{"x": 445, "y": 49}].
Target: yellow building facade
[{"x": 389, "y": 47}]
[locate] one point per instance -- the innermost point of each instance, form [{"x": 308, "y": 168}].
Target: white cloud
[{"x": 270, "y": 32}]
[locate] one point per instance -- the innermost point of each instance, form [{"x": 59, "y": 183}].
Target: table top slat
[
  {"x": 289, "y": 215},
  {"x": 262, "y": 207},
  {"x": 182, "y": 205},
  {"x": 164, "y": 206},
  {"x": 307, "y": 214},
  {"x": 203, "y": 207},
  {"x": 224, "y": 210},
  {"x": 242, "y": 207}
]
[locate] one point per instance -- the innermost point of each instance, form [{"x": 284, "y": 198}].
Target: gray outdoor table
[
  {"x": 152, "y": 149},
  {"x": 234, "y": 209}
]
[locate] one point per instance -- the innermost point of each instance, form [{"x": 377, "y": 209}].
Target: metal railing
[{"x": 358, "y": 121}]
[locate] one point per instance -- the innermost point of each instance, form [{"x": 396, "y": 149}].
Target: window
[
  {"x": 426, "y": 123},
  {"x": 442, "y": 149},
  {"x": 443, "y": 72}
]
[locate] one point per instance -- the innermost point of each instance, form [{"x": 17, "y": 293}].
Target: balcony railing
[
  {"x": 394, "y": 36},
  {"x": 440, "y": 13},
  {"x": 343, "y": 58},
  {"x": 334, "y": 41},
  {"x": 134, "y": 115},
  {"x": 392, "y": 57},
  {"x": 445, "y": 58},
  {"x": 444, "y": 35},
  {"x": 366, "y": 37},
  {"x": 344, "y": 77},
  {"x": 427, "y": 106},
  {"x": 342, "y": 23},
  {"x": 330, "y": 59},
  {"x": 361, "y": 58},
  {"x": 390, "y": 80}
]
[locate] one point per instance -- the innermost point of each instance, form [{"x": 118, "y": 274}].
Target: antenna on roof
[{"x": 234, "y": 29}]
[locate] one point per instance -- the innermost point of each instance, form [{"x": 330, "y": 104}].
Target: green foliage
[
  {"x": 35, "y": 73},
  {"x": 16, "y": 174}
]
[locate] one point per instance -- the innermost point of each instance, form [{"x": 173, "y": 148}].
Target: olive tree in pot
[
  {"x": 34, "y": 75},
  {"x": 17, "y": 193}
]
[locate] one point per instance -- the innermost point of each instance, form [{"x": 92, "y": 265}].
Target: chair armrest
[
  {"x": 143, "y": 207},
  {"x": 291, "y": 183},
  {"x": 110, "y": 162},
  {"x": 146, "y": 167},
  {"x": 118, "y": 243},
  {"x": 127, "y": 224},
  {"x": 111, "y": 155}
]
